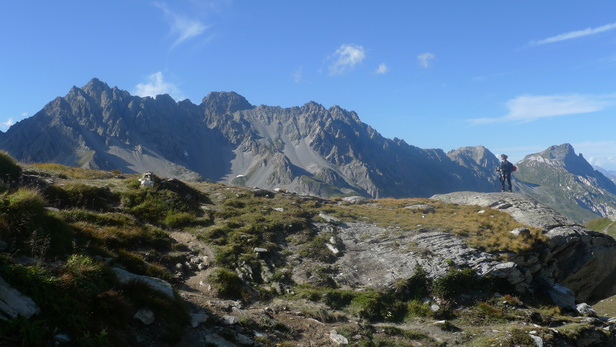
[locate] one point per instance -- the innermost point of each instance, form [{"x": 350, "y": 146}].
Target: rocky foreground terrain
[{"x": 98, "y": 258}]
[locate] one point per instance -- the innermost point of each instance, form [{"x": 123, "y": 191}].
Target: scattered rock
[
  {"x": 338, "y": 339},
  {"x": 62, "y": 338},
  {"x": 230, "y": 320},
  {"x": 13, "y": 303},
  {"x": 356, "y": 199},
  {"x": 520, "y": 232},
  {"x": 148, "y": 179},
  {"x": 145, "y": 316},
  {"x": 330, "y": 219},
  {"x": 586, "y": 310},
  {"x": 198, "y": 318},
  {"x": 423, "y": 208},
  {"x": 216, "y": 340},
  {"x": 152, "y": 282},
  {"x": 562, "y": 296},
  {"x": 243, "y": 339},
  {"x": 538, "y": 340}
]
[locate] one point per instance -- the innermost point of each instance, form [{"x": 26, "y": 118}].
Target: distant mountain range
[{"x": 308, "y": 150}]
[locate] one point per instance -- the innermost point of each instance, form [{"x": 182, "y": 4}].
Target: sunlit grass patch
[
  {"x": 64, "y": 171},
  {"x": 480, "y": 227}
]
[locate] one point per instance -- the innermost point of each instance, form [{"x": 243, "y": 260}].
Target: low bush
[
  {"x": 227, "y": 284},
  {"x": 455, "y": 282},
  {"x": 79, "y": 195}
]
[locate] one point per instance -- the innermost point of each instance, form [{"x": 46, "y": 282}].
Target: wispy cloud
[
  {"x": 425, "y": 59},
  {"x": 182, "y": 27},
  {"x": 157, "y": 85},
  {"x": 381, "y": 69},
  {"x": 345, "y": 58},
  {"x": 6, "y": 124},
  {"x": 529, "y": 108},
  {"x": 598, "y": 153},
  {"x": 298, "y": 75},
  {"x": 574, "y": 34}
]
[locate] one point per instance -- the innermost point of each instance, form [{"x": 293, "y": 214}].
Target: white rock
[{"x": 145, "y": 315}]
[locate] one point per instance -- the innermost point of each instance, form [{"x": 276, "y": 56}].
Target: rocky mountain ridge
[
  {"x": 566, "y": 182},
  {"x": 309, "y": 150}
]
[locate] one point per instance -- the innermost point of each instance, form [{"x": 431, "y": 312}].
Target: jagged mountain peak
[
  {"x": 560, "y": 175},
  {"x": 563, "y": 156},
  {"x": 225, "y": 102},
  {"x": 477, "y": 154},
  {"x": 96, "y": 87}
]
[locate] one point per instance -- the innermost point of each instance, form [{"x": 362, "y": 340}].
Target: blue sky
[{"x": 515, "y": 76}]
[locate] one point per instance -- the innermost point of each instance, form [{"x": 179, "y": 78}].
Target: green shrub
[
  {"x": 89, "y": 276},
  {"x": 10, "y": 171},
  {"x": 79, "y": 195},
  {"x": 369, "y": 305},
  {"x": 455, "y": 282},
  {"x": 25, "y": 223},
  {"x": 413, "y": 288},
  {"x": 164, "y": 206},
  {"x": 178, "y": 219},
  {"x": 227, "y": 284}
]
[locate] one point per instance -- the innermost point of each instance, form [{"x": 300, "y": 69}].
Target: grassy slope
[{"x": 73, "y": 230}]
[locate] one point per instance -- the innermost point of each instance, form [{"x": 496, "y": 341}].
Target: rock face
[
  {"x": 377, "y": 257},
  {"x": 579, "y": 259},
  {"x": 574, "y": 265},
  {"x": 307, "y": 149}
]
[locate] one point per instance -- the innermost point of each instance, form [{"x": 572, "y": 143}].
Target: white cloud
[
  {"x": 574, "y": 34},
  {"x": 346, "y": 57},
  {"x": 157, "y": 85},
  {"x": 529, "y": 108},
  {"x": 7, "y": 124},
  {"x": 598, "y": 153},
  {"x": 183, "y": 28},
  {"x": 425, "y": 59},
  {"x": 298, "y": 75},
  {"x": 382, "y": 69}
]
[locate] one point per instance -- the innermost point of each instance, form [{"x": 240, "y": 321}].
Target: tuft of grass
[
  {"x": 79, "y": 195},
  {"x": 10, "y": 171},
  {"x": 227, "y": 284},
  {"x": 64, "y": 171}
]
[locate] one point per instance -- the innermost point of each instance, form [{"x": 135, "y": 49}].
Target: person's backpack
[{"x": 514, "y": 168}]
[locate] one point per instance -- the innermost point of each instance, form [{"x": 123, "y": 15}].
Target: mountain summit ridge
[{"x": 308, "y": 149}]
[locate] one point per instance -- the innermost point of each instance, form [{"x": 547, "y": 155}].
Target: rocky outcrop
[
  {"x": 376, "y": 257},
  {"x": 574, "y": 257}
]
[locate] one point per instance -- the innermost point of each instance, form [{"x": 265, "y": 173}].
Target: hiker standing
[{"x": 505, "y": 172}]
